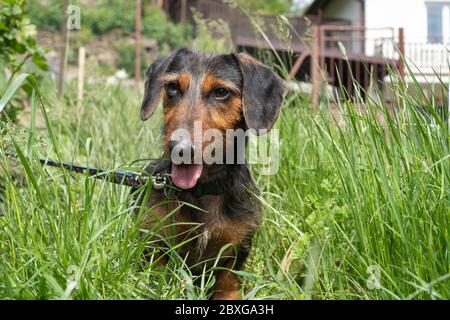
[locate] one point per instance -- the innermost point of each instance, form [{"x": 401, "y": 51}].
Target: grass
[{"x": 361, "y": 199}]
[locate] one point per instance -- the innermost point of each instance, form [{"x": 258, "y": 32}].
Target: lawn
[{"x": 359, "y": 208}]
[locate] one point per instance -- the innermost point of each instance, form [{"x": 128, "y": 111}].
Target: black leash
[
  {"x": 157, "y": 173},
  {"x": 127, "y": 178}
]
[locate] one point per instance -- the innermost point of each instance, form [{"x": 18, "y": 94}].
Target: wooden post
[
  {"x": 81, "y": 63},
  {"x": 401, "y": 48},
  {"x": 138, "y": 23},
  {"x": 363, "y": 26},
  {"x": 62, "y": 57},
  {"x": 183, "y": 13},
  {"x": 315, "y": 69},
  {"x": 321, "y": 42},
  {"x": 298, "y": 63}
]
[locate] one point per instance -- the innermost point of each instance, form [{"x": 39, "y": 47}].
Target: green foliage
[
  {"x": 108, "y": 15},
  {"x": 366, "y": 186},
  {"x": 116, "y": 15},
  {"x": 112, "y": 14},
  {"x": 18, "y": 46},
  {"x": 367, "y": 189},
  {"x": 46, "y": 15},
  {"x": 156, "y": 25},
  {"x": 17, "y": 37},
  {"x": 264, "y": 7},
  {"x": 126, "y": 57},
  {"x": 212, "y": 35}
]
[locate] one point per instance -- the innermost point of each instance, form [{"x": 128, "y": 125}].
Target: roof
[{"x": 316, "y": 5}]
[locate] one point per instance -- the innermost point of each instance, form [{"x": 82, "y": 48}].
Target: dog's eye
[
  {"x": 221, "y": 93},
  {"x": 172, "y": 89}
]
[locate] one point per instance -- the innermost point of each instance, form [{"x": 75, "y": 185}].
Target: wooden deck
[{"x": 315, "y": 53}]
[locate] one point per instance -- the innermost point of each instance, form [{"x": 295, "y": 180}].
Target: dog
[{"x": 221, "y": 92}]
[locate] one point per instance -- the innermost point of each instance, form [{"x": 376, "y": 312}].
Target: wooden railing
[
  {"x": 359, "y": 41},
  {"x": 330, "y": 49},
  {"x": 428, "y": 58},
  {"x": 343, "y": 55},
  {"x": 254, "y": 31},
  {"x": 385, "y": 43}
]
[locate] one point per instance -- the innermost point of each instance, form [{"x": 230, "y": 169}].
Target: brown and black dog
[{"x": 220, "y": 91}]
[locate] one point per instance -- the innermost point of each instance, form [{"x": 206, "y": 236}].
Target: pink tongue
[{"x": 185, "y": 176}]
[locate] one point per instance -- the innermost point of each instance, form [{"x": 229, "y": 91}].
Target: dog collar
[{"x": 214, "y": 187}]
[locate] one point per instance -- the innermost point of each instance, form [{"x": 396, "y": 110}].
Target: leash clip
[{"x": 159, "y": 181}]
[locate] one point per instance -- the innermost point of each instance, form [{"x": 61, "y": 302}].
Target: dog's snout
[{"x": 182, "y": 148}]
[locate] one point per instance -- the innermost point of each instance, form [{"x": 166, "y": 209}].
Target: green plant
[
  {"x": 156, "y": 25},
  {"x": 107, "y": 15},
  {"x": 111, "y": 15},
  {"x": 264, "y": 7},
  {"x": 368, "y": 191},
  {"x": 18, "y": 46},
  {"x": 46, "y": 15},
  {"x": 359, "y": 208},
  {"x": 126, "y": 57},
  {"x": 211, "y": 35}
]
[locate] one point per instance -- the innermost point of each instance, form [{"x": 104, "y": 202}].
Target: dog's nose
[{"x": 182, "y": 148}]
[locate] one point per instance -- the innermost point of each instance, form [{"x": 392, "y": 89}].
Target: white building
[{"x": 426, "y": 25}]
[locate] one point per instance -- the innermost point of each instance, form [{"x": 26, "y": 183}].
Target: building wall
[
  {"x": 412, "y": 16},
  {"x": 349, "y": 10},
  {"x": 409, "y": 14},
  {"x": 344, "y": 9},
  {"x": 383, "y": 18}
]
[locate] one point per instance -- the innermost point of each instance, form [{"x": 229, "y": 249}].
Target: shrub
[
  {"x": 113, "y": 15},
  {"x": 18, "y": 46},
  {"x": 264, "y": 7},
  {"x": 17, "y": 37},
  {"x": 211, "y": 35},
  {"x": 46, "y": 16},
  {"x": 108, "y": 15},
  {"x": 156, "y": 25},
  {"x": 126, "y": 57}
]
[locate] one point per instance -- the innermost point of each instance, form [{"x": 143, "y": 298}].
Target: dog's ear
[
  {"x": 262, "y": 93},
  {"x": 154, "y": 84}
]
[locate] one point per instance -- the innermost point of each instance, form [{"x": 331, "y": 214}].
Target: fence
[
  {"x": 428, "y": 58},
  {"x": 243, "y": 28},
  {"x": 344, "y": 54}
]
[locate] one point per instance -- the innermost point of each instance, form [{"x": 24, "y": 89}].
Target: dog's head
[{"x": 204, "y": 96}]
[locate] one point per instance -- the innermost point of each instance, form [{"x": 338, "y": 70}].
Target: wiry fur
[{"x": 212, "y": 221}]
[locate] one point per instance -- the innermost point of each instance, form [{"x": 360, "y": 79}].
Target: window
[{"x": 434, "y": 18}]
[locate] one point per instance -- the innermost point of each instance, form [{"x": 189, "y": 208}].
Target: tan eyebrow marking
[
  {"x": 183, "y": 79},
  {"x": 169, "y": 77},
  {"x": 212, "y": 82}
]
